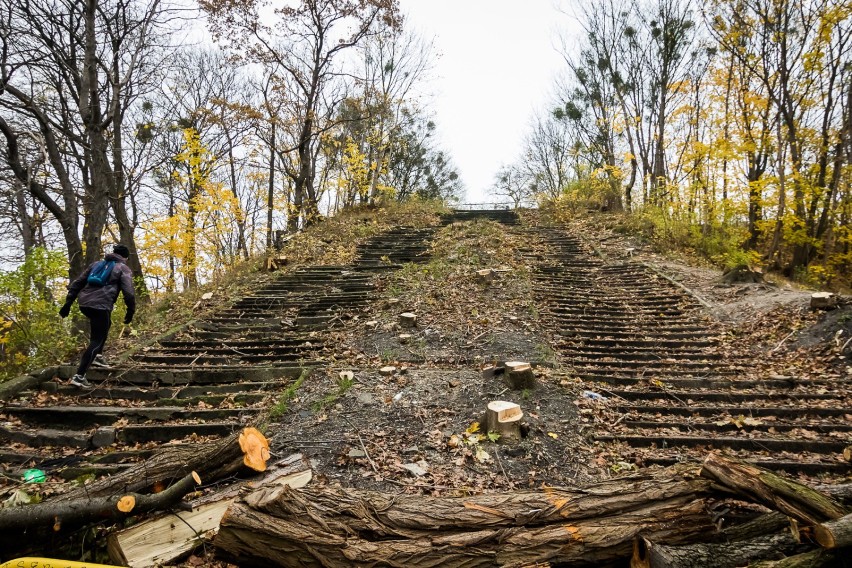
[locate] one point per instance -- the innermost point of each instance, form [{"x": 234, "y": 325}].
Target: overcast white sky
[{"x": 497, "y": 65}]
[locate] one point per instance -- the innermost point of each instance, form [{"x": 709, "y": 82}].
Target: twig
[
  {"x": 783, "y": 341},
  {"x": 238, "y": 352},
  {"x": 363, "y": 447},
  {"x": 478, "y": 336},
  {"x": 499, "y": 461},
  {"x": 617, "y": 422}
]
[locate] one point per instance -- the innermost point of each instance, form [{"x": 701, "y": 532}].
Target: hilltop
[{"x": 640, "y": 360}]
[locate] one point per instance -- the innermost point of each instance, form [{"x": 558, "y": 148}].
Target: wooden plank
[{"x": 164, "y": 538}]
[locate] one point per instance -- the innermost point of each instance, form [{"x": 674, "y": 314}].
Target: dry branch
[{"x": 87, "y": 510}]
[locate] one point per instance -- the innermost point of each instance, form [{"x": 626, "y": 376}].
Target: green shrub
[{"x": 32, "y": 334}]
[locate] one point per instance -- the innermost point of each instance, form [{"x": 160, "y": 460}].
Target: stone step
[
  {"x": 91, "y": 416},
  {"x": 728, "y": 442},
  {"x": 142, "y": 375}
]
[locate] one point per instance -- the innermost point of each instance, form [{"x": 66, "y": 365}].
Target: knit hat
[{"x": 121, "y": 251}]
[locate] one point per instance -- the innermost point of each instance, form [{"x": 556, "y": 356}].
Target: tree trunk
[
  {"x": 85, "y": 509},
  {"x": 270, "y": 190},
  {"x": 756, "y": 484},
  {"x": 647, "y": 554},
  {"x": 212, "y": 461},
  {"x": 835, "y": 534},
  {"x": 118, "y": 200},
  {"x": 813, "y": 559},
  {"x": 333, "y": 527}
]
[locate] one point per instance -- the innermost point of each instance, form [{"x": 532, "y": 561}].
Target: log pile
[
  {"x": 159, "y": 483},
  {"x": 651, "y": 521}
]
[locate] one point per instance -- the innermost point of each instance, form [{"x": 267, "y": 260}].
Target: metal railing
[{"x": 494, "y": 206}]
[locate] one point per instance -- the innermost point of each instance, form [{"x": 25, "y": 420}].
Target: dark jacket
[{"x": 104, "y": 297}]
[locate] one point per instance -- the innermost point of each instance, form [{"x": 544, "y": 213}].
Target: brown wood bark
[
  {"x": 841, "y": 492},
  {"x": 333, "y": 527},
  {"x": 519, "y": 375},
  {"x": 213, "y": 461},
  {"x": 794, "y": 499},
  {"x": 835, "y": 534},
  {"x": 87, "y": 510},
  {"x": 648, "y": 554},
  {"x": 814, "y": 559}
]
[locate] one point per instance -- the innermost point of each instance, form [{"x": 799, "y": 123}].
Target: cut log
[
  {"x": 407, "y": 320},
  {"x": 275, "y": 263},
  {"x": 126, "y": 503},
  {"x": 255, "y": 449},
  {"x": 213, "y": 461},
  {"x": 842, "y": 492},
  {"x": 763, "y": 525},
  {"x": 823, "y": 301},
  {"x": 814, "y": 559},
  {"x": 165, "y": 538},
  {"x": 70, "y": 514},
  {"x": 847, "y": 453},
  {"x": 794, "y": 499},
  {"x": 504, "y": 418},
  {"x": 648, "y": 554},
  {"x": 486, "y": 275},
  {"x": 519, "y": 375},
  {"x": 335, "y": 527},
  {"x": 835, "y": 534}
]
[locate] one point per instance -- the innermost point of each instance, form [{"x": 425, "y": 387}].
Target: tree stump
[
  {"x": 407, "y": 320},
  {"x": 504, "y": 418},
  {"x": 519, "y": 375},
  {"x": 823, "y": 301},
  {"x": 255, "y": 448},
  {"x": 485, "y": 276}
]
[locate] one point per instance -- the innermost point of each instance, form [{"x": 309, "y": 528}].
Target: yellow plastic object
[{"x": 51, "y": 563}]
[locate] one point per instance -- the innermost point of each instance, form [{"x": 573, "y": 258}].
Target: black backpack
[{"x": 99, "y": 276}]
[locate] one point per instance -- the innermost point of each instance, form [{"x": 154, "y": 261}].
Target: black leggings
[{"x": 99, "y": 321}]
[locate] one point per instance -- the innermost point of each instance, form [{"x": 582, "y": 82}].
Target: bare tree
[
  {"x": 305, "y": 42},
  {"x": 70, "y": 71}
]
